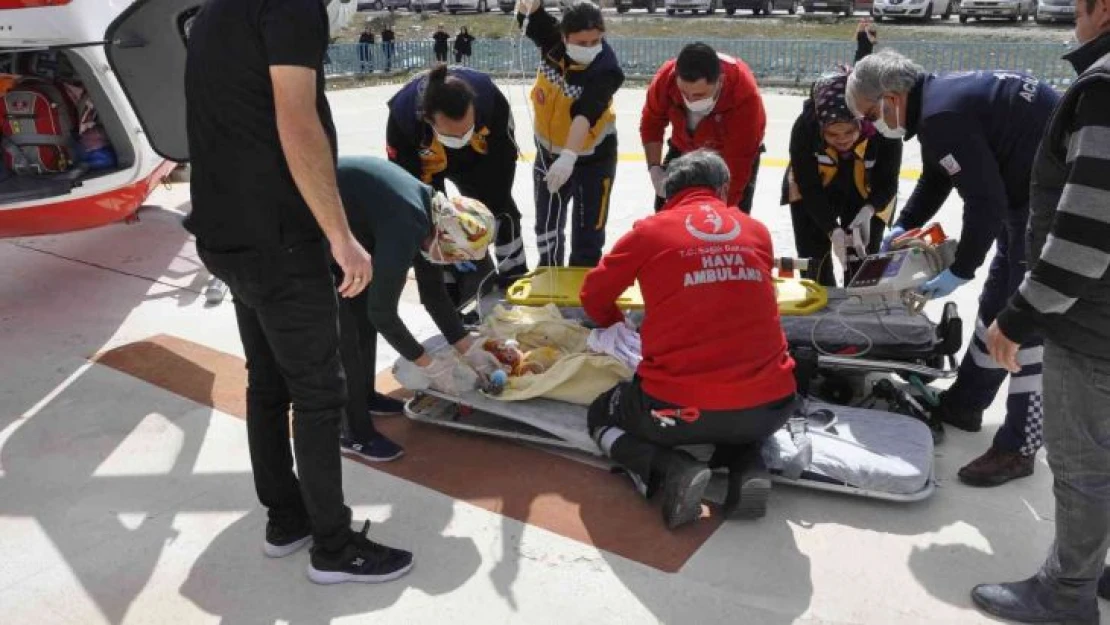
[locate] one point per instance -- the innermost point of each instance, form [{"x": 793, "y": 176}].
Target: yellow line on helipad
[{"x": 767, "y": 161}]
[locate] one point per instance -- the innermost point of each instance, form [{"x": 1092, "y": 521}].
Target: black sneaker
[
  {"x": 361, "y": 560},
  {"x": 377, "y": 449},
  {"x": 281, "y": 542},
  {"x": 383, "y": 405}
]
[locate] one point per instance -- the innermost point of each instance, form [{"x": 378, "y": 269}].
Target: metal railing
[{"x": 789, "y": 61}]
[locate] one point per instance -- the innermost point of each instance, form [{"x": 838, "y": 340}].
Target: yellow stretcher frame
[{"x": 561, "y": 286}]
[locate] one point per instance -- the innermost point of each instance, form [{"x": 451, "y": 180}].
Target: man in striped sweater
[{"x": 1066, "y": 298}]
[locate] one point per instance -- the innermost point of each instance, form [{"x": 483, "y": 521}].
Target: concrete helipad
[{"x": 126, "y": 495}]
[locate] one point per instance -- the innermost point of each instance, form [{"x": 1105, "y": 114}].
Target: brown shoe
[{"x": 996, "y": 467}]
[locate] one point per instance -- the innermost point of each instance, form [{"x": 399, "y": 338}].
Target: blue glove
[
  {"x": 894, "y": 233},
  {"x": 465, "y": 267},
  {"x": 942, "y": 285}
]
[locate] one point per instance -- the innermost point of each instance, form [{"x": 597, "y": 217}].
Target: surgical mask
[
  {"x": 583, "y": 55},
  {"x": 455, "y": 143},
  {"x": 700, "y": 106},
  {"x": 880, "y": 124}
]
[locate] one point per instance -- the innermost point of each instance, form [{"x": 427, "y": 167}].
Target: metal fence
[{"x": 782, "y": 61}]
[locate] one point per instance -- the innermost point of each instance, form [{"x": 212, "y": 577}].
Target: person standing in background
[
  {"x": 366, "y": 49},
  {"x": 387, "y": 46},
  {"x": 463, "y": 46},
  {"x": 866, "y": 38},
  {"x": 440, "y": 46}
]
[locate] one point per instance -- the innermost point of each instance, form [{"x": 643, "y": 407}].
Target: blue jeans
[{"x": 1077, "y": 437}]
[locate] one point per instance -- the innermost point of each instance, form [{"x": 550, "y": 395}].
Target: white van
[{"x": 62, "y": 43}]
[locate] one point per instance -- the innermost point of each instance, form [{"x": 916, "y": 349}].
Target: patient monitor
[{"x": 893, "y": 277}]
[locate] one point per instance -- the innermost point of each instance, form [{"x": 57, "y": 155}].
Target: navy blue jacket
[
  {"x": 979, "y": 133},
  {"x": 491, "y": 155}
]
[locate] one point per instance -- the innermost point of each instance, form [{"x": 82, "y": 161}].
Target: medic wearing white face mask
[
  {"x": 575, "y": 126},
  {"x": 455, "y": 124},
  {"x": 710, "y": 101}
]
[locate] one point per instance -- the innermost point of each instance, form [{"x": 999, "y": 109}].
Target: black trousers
[
  {"x": 285, "y": 306},
  {"x": 813, "y": 243},
  {"x": 441, "y": 55},
  {"x": 359, "y": 350},
  {"x": 749, "y": 191},
  {"x": 645, "y": 425}
]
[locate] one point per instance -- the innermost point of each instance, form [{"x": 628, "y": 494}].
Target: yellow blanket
[{"x": 576, "y": 377}]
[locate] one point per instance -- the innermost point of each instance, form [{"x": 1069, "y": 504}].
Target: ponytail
[{"x": 449, "y": 95}]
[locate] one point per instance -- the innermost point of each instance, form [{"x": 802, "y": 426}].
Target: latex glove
[
  {"x": 839, "y": 245},
  {"x": 483, "y": 362},
  {"x": 527, "y": 7},
  {"x": 559, "y": 171},
  {"x": 447, "y": 374},
  {"x": 619, "y": 340},
  {"x": 862, "y": 224},
  {"x": 894, "y": 233},
  {"x": 658, "y": 180},
  {"x": 942, "y": 285},
  {"x": 466, "y": 267}
]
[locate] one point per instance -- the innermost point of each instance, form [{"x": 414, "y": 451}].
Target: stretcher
[{"x": 865, "y": 453}]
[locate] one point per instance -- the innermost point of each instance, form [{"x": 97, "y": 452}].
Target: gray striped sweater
[{"x": 1066, "y": 295}]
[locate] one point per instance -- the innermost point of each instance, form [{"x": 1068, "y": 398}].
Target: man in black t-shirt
[{"x": 266, "y": 213}]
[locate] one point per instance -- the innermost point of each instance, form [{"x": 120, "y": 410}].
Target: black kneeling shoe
[
  {"x": 683, "y": 485},
  {"x": 749, "y": 487}
]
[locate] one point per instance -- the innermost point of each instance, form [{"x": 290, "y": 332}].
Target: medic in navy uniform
[
  {"x": 454, "y": 124},
  {"x": 979, "y": 132}
]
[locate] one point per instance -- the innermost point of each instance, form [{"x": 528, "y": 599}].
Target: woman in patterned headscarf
[{"x": 841, "y": 174}]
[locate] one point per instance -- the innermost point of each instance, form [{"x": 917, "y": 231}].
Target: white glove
[
  {"x": 658, "y": 180},
  {"x": 559, "y": 171},
  {"x": 446, "y": 374},
  {"x": 483, "y": 362},
  {"x": 621, "y": 341},
  {"x": 862, "y": 224},
  {"x": 527, "y": 7},
  {"x": 839, "y": 243}
]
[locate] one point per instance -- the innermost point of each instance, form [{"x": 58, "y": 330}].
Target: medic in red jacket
[
  {"x": 710, "y": 101},
  {"x": 711, "y": 334},
  {"x": 715, "y": 367}
]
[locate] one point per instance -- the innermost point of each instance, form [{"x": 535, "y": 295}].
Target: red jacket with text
[
  {"x": 734, "y": 128},
  {"x": 711, "y": 333}
]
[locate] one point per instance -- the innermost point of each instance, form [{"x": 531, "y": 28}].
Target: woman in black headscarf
[{"x": 842, "y": 174}]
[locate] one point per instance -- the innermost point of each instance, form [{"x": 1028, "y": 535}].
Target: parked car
[
  {"x": 419, "y": 6},
  {"x": 393, "y": 5},
  {"x": 766, "y": 7},
  {"x": 1054, "y": 11},
  {"x": 371, "y": 5},
  {"x": 623, "y": 6},
  {"x": 478, "y": 6},
  {"x": 847, "y": 7},
  {"x": 917, "y": 9},
  {"x": 508, "y": 6},
  {"x": 693, "y": 6},
  {"x": 1007, "y": 9}
]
